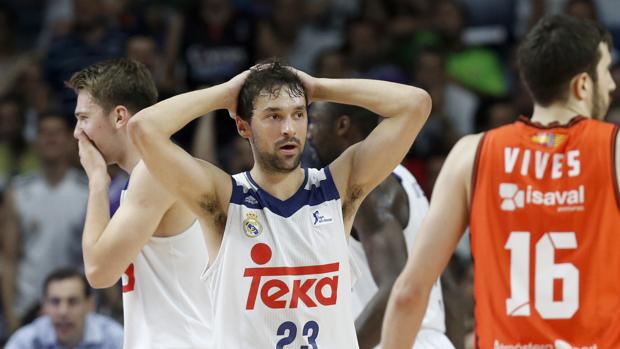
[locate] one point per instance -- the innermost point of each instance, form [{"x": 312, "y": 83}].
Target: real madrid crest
[{"x": 251, "y": 225}]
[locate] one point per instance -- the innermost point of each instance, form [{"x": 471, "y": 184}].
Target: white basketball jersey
[
  {"x": 281, "y": 279},
  {"x": 365, "y": 287},
  {"x": 164, "y": 303}
]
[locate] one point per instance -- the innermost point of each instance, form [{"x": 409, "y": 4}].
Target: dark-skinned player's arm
[
  {"x": 379, "y": 224},
  {"x": 203, "y": 187},
  {"x": 435, "y": 242},
  {"x": 364, "y": 165}
]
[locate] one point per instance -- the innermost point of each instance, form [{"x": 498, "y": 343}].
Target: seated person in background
[{"x": 68, "y": 321}]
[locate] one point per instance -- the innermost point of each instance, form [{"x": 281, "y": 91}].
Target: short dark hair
[
  {"x": 115, "y": 82},
  {"x": 63, "y": 274},
  {"x": 362, "y": 119},
  {"x": 271, "y": 77},
  {"x": 556, "y": 49}
]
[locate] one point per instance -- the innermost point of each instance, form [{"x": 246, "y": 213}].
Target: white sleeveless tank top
[
  {"x": 365, "y": 286},
  {"x": 281, "y": 279},
  {"x": 164, "y": 300}
]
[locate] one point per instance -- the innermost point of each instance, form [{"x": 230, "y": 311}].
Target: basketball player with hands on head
[
  {"x": 153, "y": 241},
  {"x": 541, "y": 199},
  {"x": 279, "y": 273},
  {"x": 383, "y": 229}
]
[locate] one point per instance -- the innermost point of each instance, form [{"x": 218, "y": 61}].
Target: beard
[
  {"x": 600, "y": 105},
  {"x": 271, "y": 162}
]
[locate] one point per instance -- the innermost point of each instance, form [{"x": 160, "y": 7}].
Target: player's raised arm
[
  {"x": 433, "y": 246},
  {"x": 199, "y": 184},
  {"x": 110, "y": 245},
  {"x": 364, "y": 165}
]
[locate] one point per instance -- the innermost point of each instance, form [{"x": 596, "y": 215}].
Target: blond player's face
[
  {"x": 279, "y": 126},
  {"x": 97, "y": 125},
  {"x": 604, "y": 86}
]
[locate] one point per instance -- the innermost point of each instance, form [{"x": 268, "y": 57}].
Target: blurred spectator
[
  {"x": 332, "y": 63},
  {"x": 144, "y": 50},
  {"x": 290, "y": 33},
  {"x": 475, "y": 67},
  {"x": 456, "y": 103},
  {"x": 90, "y": 40},
  {"x": 44, "y": 220},
  {"x": 16, "y": 155},
  {"x": 583, "y": 9},
  {"x": 57, "y": 21},
  {"x": 366, "y": 47},
  {"x": 12, "y": 60},
  {"x": 218, "y": 42},
  {"x": 68, "y": 321},
  {"x": 500, "y": 113}
]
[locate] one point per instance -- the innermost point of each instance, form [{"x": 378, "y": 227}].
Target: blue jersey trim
[
  {"x": 397, "y": 177},
  {"x": 260, "y": 199}
]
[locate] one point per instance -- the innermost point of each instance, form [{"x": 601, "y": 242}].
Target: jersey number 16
[{"x": 545, "y": 272}]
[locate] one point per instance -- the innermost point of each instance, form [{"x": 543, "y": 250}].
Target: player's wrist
[{"x": 99, "y": 182}]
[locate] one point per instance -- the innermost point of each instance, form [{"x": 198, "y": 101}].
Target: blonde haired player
[{"x": 153, "y": 241}]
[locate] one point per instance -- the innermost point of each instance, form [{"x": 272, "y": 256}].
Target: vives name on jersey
[{"x": 544, "y": 164}]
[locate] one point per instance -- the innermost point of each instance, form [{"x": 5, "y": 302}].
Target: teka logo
[
  {"x": 287, "y": 287},
  {"x": 514, "y": 198},
  {"x": 318, "y": 219}
]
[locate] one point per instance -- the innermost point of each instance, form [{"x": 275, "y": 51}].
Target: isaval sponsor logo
[{"x": 514, "y": 197}]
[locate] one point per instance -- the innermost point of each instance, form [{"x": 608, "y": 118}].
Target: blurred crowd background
[{"x": 461, "y": 51}]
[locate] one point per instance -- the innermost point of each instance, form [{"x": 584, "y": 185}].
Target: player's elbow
[
  {"x": 421, "y": 103},
  {"x": 137, "y": 128},
  {"x": 99, "y": 276},
  {"x": 407, "y": 293}
]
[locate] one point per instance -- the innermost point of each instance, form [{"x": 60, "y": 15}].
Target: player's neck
[
  {"x": 279, "y": 185},
  {"x": 129, "y": 158},
  {"x": 558, "y": 113}
]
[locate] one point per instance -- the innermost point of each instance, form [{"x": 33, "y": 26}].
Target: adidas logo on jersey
[
  {"x": 290, "y": 287},
  {"x": 514, "y": 198}
]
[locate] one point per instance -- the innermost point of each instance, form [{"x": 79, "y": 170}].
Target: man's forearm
[
  {"x": 384, "y": 98},
  {"x": 97, "y": 218},
  {"x": 403, "y": 317},
  {"x": 172, "y": 114}
]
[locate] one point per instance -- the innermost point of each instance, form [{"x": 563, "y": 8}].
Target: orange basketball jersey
[{"x": 545, "y": 237}]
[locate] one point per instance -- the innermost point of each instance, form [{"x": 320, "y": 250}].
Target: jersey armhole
[
  {"x": 474, "y": 172},
  {"x": 614, "y": 165}
]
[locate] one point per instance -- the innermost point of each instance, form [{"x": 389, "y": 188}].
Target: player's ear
[
  {"x": 121, "y": 116},
  {"x": 343, "y": 125},
  {"x": 581, "y": 85},
  {"x": 243, "y": 127}
]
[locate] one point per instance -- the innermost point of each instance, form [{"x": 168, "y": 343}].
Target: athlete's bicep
[
  {"x": 370, "y": 161},
  {"x": 132, "y": 225},
  {"x": 192, "y": 180}
]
